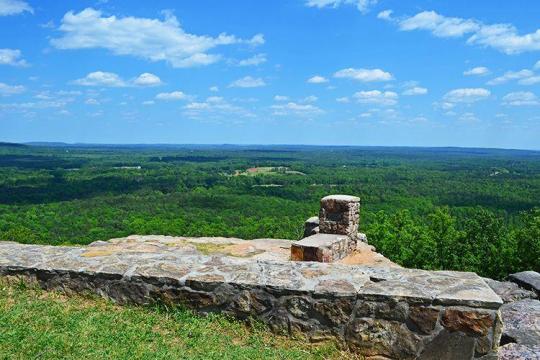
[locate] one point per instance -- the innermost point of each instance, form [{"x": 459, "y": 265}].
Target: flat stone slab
[
  {"x": 509, "y": 291},
  {"x": 437, "y": 287},
  {"x": 321, "y": 248},
  {"x": 529, "y": 280}
]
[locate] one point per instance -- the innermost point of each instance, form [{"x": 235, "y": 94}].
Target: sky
[{"x": 324, "y": 72}]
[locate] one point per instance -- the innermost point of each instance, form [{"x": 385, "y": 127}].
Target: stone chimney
[{"x": 337, "y": 233}]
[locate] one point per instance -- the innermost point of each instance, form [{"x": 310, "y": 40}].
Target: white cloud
[
  {"x": 150, "y": 39},
  {"x": 362, "y": 5},
  {"x": 281, "y": 98},
  {"x": 248, "y": 82},
  {"x": 317, "y": 79},
  {"x": 91, "y": 101},
  {"x": 520, "y": 98},
  {"x": 310, "y": 98},
  {"x": 343, "y": 100},
  {"x": 101, "y": 78},
  {"x": 477, "y": 71},
  {"x": 171, "y": 96},
  {"x": 416, "y": 90},
  {"x": 537, "y": 65},
  {"x": 386, "y": 98},
  {"x": 6, "y": 90},
  {"x": 466, "y": 95},
  {"x": 148, "y": 102},
  {"x": 530, "y": 80},
  {"x": 11, "y": 57},
  {"x": 469, "y": 117},
  {"x": 385, "y": 15},
  {"x": 364, "y": 75},
  {"x": 109, "y": 79},
  {"x": 147, "y": 79},
  {"x": 295, "y": 109},
  {"x": 253, "y": 61},
  {"x": 13, "y": 7},
  {"x": 215, "y": 107},
  {"x": 439, "y": 25},
  {"x": 511, "y": 75},
  {"x": 501, "y": 37},
  {"x": 214, "y": 88}
]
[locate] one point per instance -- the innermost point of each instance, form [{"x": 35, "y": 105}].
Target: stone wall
[{"x": 380, "y": 313}]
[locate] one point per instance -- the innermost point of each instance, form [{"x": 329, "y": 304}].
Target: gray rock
[
  {"x": 449, "y": 346},
  {"x": 514, "y": 351},
  {"x": 521, "y": 321},
  {"x": 311, "y": 226},
  {"x": 509, "y": 291},
  {"x": 529, "y": 280}
]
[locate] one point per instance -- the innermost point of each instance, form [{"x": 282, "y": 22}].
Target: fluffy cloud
[
  {"x": 215, "y": 107},
  {"x": 511, "y": 75},
  {"x": 362, "y": 5},
  {"x": 109, "y": 79},
  {"x": 101, "y": 78},
  {"x": 520, "y": 98},
  {"x": 281, "y": 98},
  {"x": 502, "y": 37},
  {"x": 6, "y": 90},
  {"x": 151, "y": 39},
  {"x": 364, "y": 75},
  {"x": 91, "y": 101},
  {"x": 214, "y": 88},
  {"x": 172, "y": 96},
  {"x": 477, "y": 71},
  {"x": 11, "y": 57},
  {"x": 295, "y": 109},
  {"x": 248, "y": 82},
  {"x": 416, "y": 90},
  {"x": 439, "y": 25},
  {"x": 253, "y": 61},
  {"x": 147, "y": 79},
  {"x": 317, "y": 79},
  {"x": 386, "y": 98},
  {"x": 464, "y": 96},
  {"x": 13, "y": 7}
]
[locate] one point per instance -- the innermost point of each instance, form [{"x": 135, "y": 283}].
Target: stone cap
[
  {"x": 321, "y": 240},
  {"x": 345, "y": 198},
  {"x": 321, "y": 279}
]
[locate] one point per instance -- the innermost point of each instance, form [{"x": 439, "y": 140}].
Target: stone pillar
[{"x": 340, "y": 214}]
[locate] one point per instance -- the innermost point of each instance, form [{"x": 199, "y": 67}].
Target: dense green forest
[{"x": 433, "y": 208}]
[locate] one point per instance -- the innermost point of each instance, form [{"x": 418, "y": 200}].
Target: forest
[{"x": 432, "y": 208}]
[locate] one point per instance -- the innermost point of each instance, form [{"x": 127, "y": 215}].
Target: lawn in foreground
[{"x": 36, "y": 324}]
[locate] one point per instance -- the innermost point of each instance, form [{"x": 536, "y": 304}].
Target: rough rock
[
  {"x": 321, "y": 248},
  {"x": 521, "y": 321},
  {"x": 311, "y": 226},
  {"x": 509, "y": 291},
  {"x": 529, "y": 280},
  {"x": 514, "y": 351},
  {"x": 471, "y": 322}
]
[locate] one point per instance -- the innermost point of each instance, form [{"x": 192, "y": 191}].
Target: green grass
[{"x": 35, "y": 324}]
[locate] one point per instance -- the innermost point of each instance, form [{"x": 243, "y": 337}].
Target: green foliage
[{"x": 460, "y": 209}]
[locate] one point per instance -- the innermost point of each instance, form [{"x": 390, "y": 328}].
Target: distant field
[{"x": 48, "y": 325}]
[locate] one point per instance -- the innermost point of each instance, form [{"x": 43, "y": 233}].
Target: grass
[{"x": 36, "y": 324}]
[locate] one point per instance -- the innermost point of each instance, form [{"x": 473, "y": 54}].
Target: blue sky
[{"x": 343, "y": 72}]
